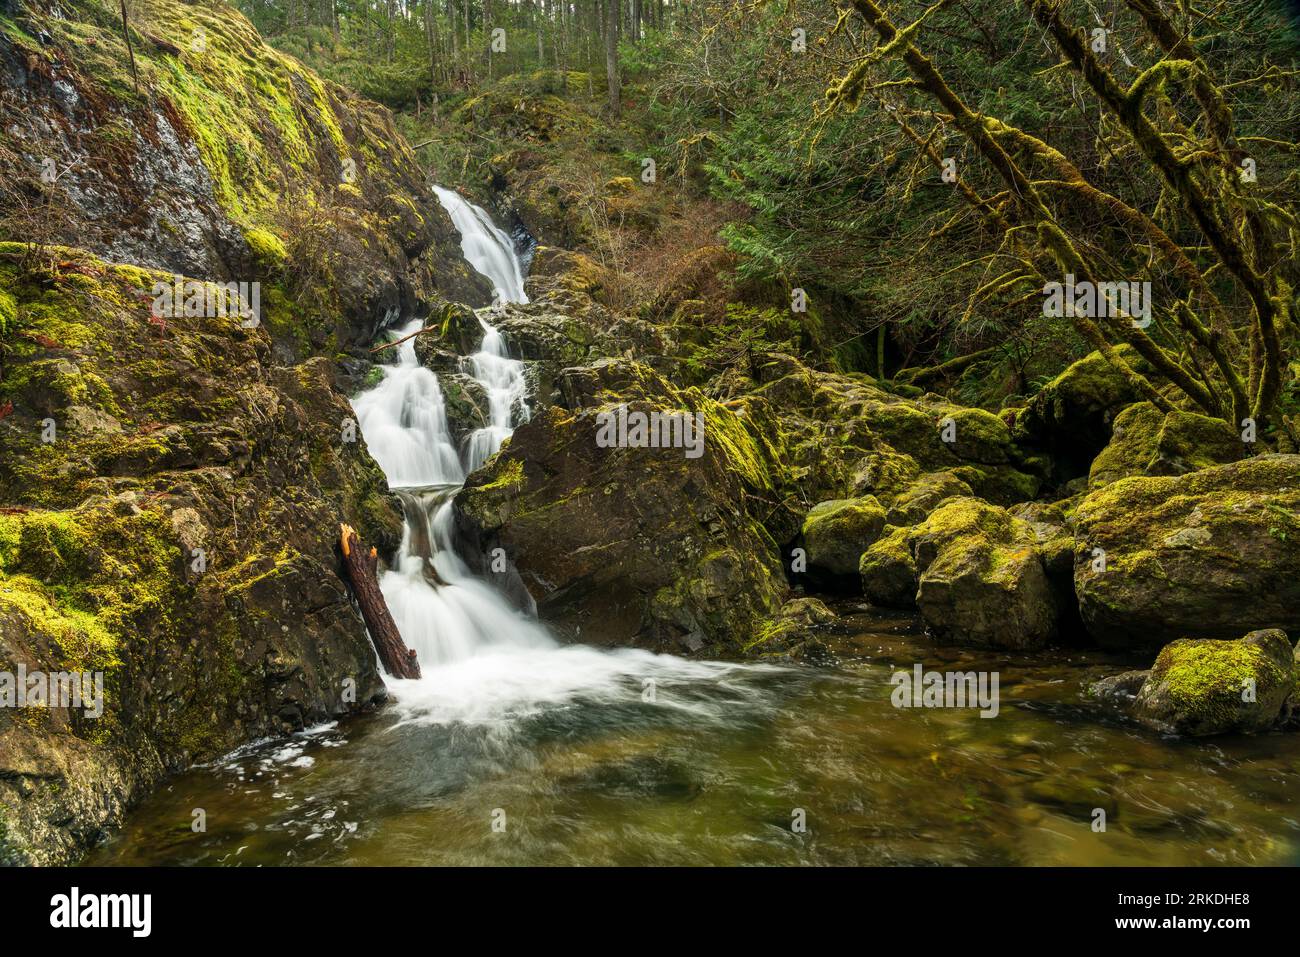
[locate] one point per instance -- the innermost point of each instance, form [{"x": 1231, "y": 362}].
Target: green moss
[
  {"x": 8, "y": 312},
  {"x": 90, "y": 579},
  {"x": 1205, "y": 678},
  {"x": 960, "y": 518},
  {"x": 268, "y": 249},
  {"x": 749, "y": 457},
  {"x": 509, "y": 475}
]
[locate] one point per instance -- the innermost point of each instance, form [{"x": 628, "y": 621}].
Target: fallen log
[
  {"x": 398, "y": 342},
  {"x": 361, "y": 565}
]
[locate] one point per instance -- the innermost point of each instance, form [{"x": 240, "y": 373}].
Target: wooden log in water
[{"x": 362, "y": 566}]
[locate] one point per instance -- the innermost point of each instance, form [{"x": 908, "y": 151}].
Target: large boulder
[
  {"x": 982, "y": 594},
  {"x": 1207, "y": 553},
  {"x": 975, "y": 572},
  {"x": 1146, "y": 441},
  {"x": 836, "y": 533},
  {"x": 634, "y": 546},
  {"x": 1201, "y": 687}
]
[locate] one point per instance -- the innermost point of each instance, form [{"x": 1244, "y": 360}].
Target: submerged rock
[{"x": 1201, "y": 687}]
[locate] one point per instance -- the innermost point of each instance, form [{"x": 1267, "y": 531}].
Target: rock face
[
  {"x": 236, "y": 163},
  {"x": 1206, "y": 554},
  {"x": 633, "y": 546},
  {"x": 172, "y": 501},
  {"x": 1200, "y": 687}
]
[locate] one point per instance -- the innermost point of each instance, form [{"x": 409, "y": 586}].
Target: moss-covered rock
[
  {"x": 1146, "y": 441},
  {"x": 796, "y": 630},
  {"x": 1071, "y": 416},
  {"x": 979, "y": 593},
  {"x": 635, "y": 546},
  {"x": 976, "y": 573},
  {"x": 1201, "y": 687},
  {"x": 836, "y": 533},
  {"x": 230, "y": 162},
  {"x": 1205, "y": 553},
  {"x": 888, "y": 570},
  {"x": 172, "y": 501},
  {"x": 924, "y": 495}
]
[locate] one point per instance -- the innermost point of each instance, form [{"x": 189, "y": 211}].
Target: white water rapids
[{"x": 482, "y": 661}]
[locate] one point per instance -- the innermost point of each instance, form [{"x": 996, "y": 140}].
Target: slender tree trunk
[
  {"x": 429, "y": 38},
  {"x": 455, "y": 31},
  {"x": 611, "y": 54},
  {"x": 541, "y": 49},
  {"x": 130, "y": 51}
]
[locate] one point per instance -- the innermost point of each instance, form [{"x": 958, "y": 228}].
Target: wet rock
[
  {"x": 800, "y": 628},
  {"x": 1200, "y": 687},
  {"x": 1206, "y": 553},
  {"x": 633, "y": 546},
  {"x": 836, "y": 533},
  {"x": 982, "y": 594},
  {"x": 466, "y": 402},
  {"x": 1119, "y": 692},
  {"x": 1147, "y": 441}
]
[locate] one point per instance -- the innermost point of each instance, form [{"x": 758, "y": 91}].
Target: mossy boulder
[
  {"x": 1200, "y": 687},
  {"x": 1070, "y": 417},
  {"x": 982, "y": 580},
  {"x": 888, "y": 570},
  {"x": 1146, "y": 441},
  {"x": 976, "y": 436},
  {"x": 1205, "y": 553},
  {"x": 924, "y": 495},
  {"x": 975, "y": 572},
  {"x": 836, "y": 533},
  {"x": 634, "y": 546},
  {"x": 796, "y": 630}
]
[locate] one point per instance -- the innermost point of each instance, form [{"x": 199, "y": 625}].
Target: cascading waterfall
[{"x": 482, "y": 660}]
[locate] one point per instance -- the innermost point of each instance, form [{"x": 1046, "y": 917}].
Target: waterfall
[
  {"x": 481, "y": 659},
  {"x": 484, "y": 246}
]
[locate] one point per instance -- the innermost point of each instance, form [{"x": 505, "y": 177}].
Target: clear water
[{"x": 713, "y": 770}]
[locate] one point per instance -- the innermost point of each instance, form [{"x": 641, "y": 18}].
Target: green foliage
[{"x": 742, "y": 337}]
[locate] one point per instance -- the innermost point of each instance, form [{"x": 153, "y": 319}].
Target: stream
[{"x": 514, "y": 749}]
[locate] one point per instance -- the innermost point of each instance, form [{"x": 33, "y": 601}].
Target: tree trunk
[
  {"x": 361, "y": 564},
  {"x": 126, "y": 35},
  {"x": 611, "y": 54}
]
